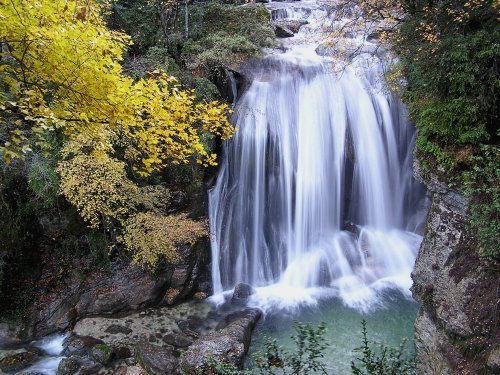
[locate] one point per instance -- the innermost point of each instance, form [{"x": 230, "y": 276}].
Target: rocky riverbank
[
  {"x": 120, "y": 289},
  {"x": 185, "y": 339}
]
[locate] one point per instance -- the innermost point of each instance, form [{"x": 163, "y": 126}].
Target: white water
[
  {"x": 52, "y": 346},
  {"x": 315, "y": 195}
]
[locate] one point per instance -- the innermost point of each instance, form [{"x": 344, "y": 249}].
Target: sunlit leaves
[{"x": 62, "y": 67}]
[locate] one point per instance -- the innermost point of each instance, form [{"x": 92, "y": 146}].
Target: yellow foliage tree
[
  {"x": 61, "y": 79},
  {"x": 61, "y": 70},
  {"x": 152, "y": 237}
]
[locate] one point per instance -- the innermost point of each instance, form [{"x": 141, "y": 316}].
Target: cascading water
[{"x": 315, "y": 194}]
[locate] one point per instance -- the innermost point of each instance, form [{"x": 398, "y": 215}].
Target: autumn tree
[{"x": 63, "y": 86}]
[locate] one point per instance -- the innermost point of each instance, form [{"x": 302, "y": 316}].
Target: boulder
[
  {"x": 325, "y": 49},
  {"x": 13, "y": 334},
  {"x": 102, "y": 354},
  {"x": 229, "y": 343},
  {"x": 18, "y": 361},
  {"x": 81, "y": 365},
  {"x": 79, "y": 345},
  {"x": 242, "y": 291},
  {"x": 282, "y": 31},
  {"x": 292, "y": 25},
  {"x": 68, "y": 366},
  {"x": 156, "y": 360}
]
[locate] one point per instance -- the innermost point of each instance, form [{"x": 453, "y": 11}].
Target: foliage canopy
[{"x": 61, "y": 70}]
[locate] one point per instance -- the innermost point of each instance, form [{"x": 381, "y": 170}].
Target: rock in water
[
  {"x": 156, "y": 360},
  {"x": 291, "y": 25},
  {"x": 242, "y": 291},
  {"x": 282, "y": 31},
  {"x": 79, "y": 345},
  {"x": 228, "y": 344},
  {"x": 68, "y": 366}
]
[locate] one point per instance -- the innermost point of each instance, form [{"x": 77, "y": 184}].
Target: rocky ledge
[
  {"x": 229, "y": 343},
  {"x": 457, "y": 330},
  {"x": 122, "y": 288}
]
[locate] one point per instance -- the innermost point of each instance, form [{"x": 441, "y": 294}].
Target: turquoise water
[{"x": 389, "y": 324}]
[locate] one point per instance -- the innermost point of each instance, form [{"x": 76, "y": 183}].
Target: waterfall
[{"x": 315, "y": 194}]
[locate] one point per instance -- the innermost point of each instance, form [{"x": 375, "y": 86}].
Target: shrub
[
  {"x": 217, "y": 51},
  {"x": 381, "y": 361},
  {"x": 482, "y": 185},
  {"x": 152, "y": 238}
]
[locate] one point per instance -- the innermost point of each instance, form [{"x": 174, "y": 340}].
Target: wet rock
[
  {"x": 200, "y": 296},
  {"x": 102, "y": 354},
  {"x": 325, "y": 49},
  {"x": 291, "y": 25},
  {"x": 79, "y": 345},
  {"x": 242, "y": 291},
  {"x": 116, "y": 328},
  {"x": 282, "y": 31},
  {"x": 227, "y": 344},
  {"x": 18, "y": 361},
  {"x": 156, "y": 360},
  {"x": 68, "y": 366},
  {"x": 81, "y": 365},
  {"x": 178, "y": 340},
  {"x": 88, "y": 366}
]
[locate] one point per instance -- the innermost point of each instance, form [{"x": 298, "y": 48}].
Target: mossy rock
[{"x": 103, "y": 354}]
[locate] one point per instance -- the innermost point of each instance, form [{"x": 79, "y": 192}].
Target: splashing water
[{"x": 52, "y": 346}]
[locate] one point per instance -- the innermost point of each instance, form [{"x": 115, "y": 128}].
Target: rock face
[
  {"x": 457, "y": 330},
  {"x": 123, "y": 288},
  {"x": 228, "y": 343}
]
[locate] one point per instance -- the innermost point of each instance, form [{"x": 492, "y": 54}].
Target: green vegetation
[
  {"x": 449, "y": 56},
  {"x": 378, "y": 359},
  {"x": 307, "y": 357},
  {"x": 218, "y": 36},
  {"x": 110, "y": 165}
]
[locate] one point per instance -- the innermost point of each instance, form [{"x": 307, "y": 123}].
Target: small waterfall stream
[{"x": 315, "y": 195}]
